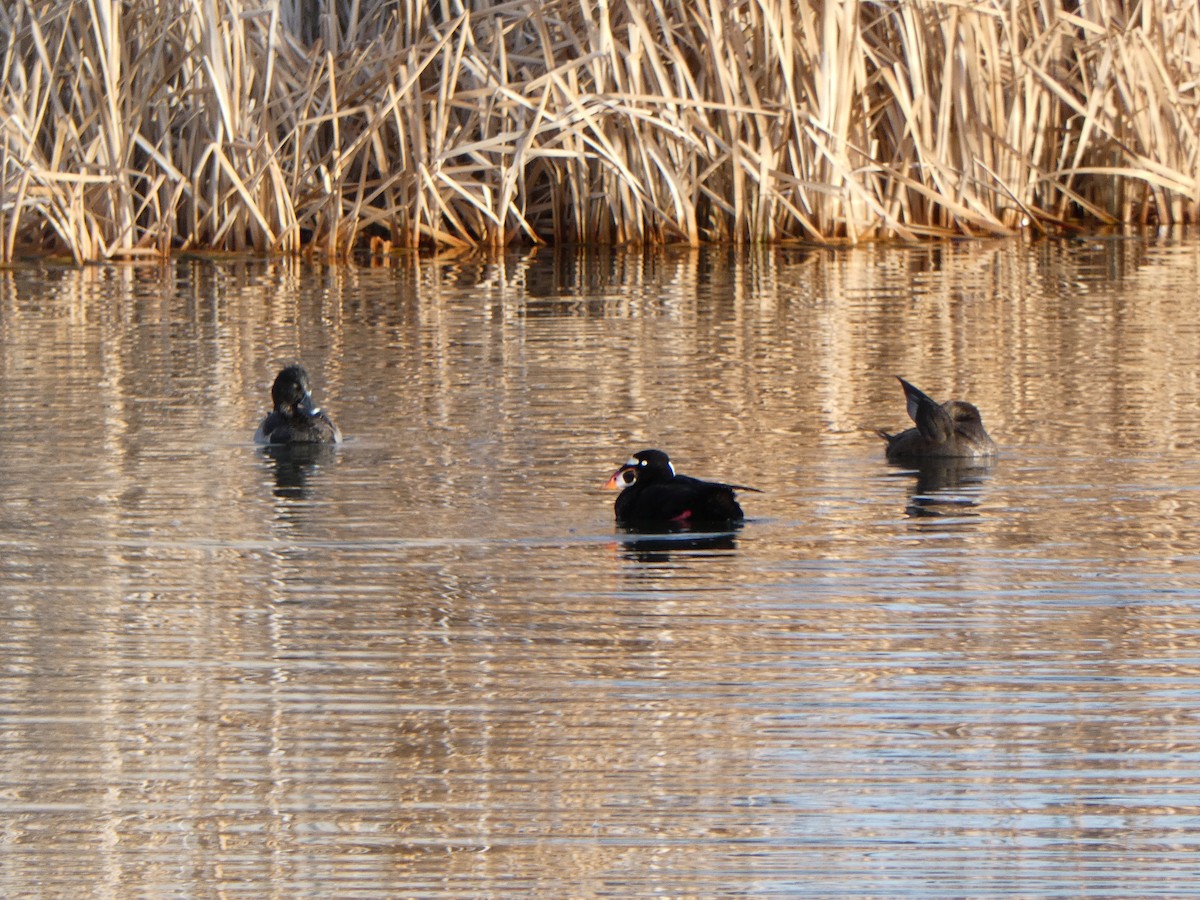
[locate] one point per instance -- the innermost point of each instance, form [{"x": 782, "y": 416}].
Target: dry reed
[{"x": 136, "y": 127}]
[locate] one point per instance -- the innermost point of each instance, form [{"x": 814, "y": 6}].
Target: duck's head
[
  {"x": 964, "y": 415},
  {"x": 645, "y": 466},
  {"x": 291, "y": 393}
]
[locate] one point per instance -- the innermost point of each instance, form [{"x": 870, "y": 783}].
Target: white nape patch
[{"x": 672, "y": 468}]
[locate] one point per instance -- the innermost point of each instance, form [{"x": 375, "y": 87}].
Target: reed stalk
[{"x": 138, "y": 127}]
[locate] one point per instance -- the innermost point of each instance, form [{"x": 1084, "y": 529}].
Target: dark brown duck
[
  {"x": 294, "y": 419},
  {"x": 950, "y": 430}
]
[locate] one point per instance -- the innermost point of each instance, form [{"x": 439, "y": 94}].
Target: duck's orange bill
[{"x": 614, "y": 483}]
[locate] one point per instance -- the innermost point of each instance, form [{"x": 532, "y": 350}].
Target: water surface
[{"x": 427, "y": 662}]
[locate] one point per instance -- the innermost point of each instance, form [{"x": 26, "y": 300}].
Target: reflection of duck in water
[
  {"x": 950, "y": 430},
  {"x": 669, "y": 546},
  {"x": 936, "y": 479},
  {"x": 295, "y": 463},
  {"x": 295, "y": 420},
  {"x": 653, "y": 495}
]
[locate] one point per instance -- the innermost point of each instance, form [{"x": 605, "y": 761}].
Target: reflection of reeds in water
[{"x": 131, "y": 128}]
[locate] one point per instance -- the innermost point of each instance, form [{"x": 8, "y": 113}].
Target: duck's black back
[{"x": 680, "y": 500}]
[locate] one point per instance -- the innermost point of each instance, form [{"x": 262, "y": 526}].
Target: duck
[
  {"x": 653, "y": 494},
  {"x": 295, "y": 420},
  {"x": 950, "y": 430}
]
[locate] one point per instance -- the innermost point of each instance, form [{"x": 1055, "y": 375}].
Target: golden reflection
[{"x": 432, "y": 655}]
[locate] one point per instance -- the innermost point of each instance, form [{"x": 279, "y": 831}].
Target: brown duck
[{"x": 950, "y": 430}]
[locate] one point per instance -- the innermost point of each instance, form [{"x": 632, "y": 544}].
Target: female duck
[
  {"x": 950, "y": 430},
  {"x": 295, "y": 420}
]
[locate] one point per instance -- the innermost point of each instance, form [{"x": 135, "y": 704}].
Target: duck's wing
[
  {"x": 934, "y": 423},
  {"x": 701, "y": 484}
]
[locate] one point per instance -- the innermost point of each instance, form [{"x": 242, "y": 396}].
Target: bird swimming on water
[
  {"x": 653, "y": 494},
  {"x": 950, "y": 430},
  {"x": 294, "y": 419}
]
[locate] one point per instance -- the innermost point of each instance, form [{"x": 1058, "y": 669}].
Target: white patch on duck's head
[{"x": 642, "y": 463}]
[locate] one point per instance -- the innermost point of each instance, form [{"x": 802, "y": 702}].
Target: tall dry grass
[{"x": 141, "y": 126}]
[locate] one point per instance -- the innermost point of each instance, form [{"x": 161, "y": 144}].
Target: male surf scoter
[
  {"x": 950, "y": 430},
  {"x": 295, "y": 420},
  {"x": 653, "y": 495}
]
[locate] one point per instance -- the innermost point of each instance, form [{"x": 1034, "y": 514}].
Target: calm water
[{"x": 428, "y": 663}]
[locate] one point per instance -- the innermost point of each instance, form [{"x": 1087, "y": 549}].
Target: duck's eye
[{"x": 642, "y": 462}]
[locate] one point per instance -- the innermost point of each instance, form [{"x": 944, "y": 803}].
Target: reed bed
[{"x": 142, "y": 127}]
